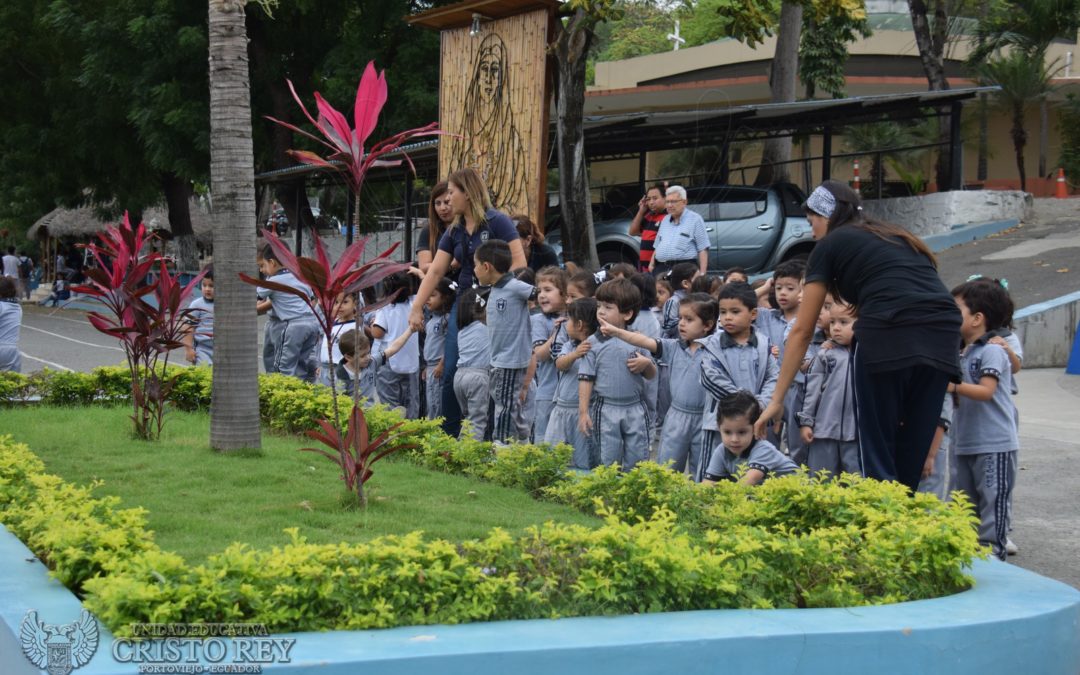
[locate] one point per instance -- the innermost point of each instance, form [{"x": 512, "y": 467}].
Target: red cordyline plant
[
  {"x": 355, "y": 451},
  {"x": 148, "y": 318}
]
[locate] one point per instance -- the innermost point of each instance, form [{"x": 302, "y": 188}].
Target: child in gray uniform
[
  {"x": 562, "y": 427},
  {"x": 292, "y": 334},
  {"x": 682, "y": 435},
  {"x": 940, "y": 464},
  {"x": 199, "y": 338},
  {"x": 611, "y": 382},
  {"x": 738, "y": 358},
  {"x": 10, "y": 323},
  {"x": 435, "y": 329},
  {"x": 739, "y": 451},
  {"x": 508, "y": 329},
  {"x": 399, "y": 382},
  {"x": 548, "y": 337},
  {"x": 985, "y": 440},
  {"x": 472, "y": 380},
  {"x": 360, "y": 365},
  {"x": 827, "y": 418}
]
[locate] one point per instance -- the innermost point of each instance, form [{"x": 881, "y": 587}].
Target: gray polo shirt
[
  {"x": 981, "y": 427},
  {"x": 547, "y": 375},
  {"x": 605, "y": 365},
  {"x": 286, "y": 306},
  {"x": 566, "y": 391},
  {"x": 434, "y": 338},
  {"x": 762, "y": 455},
  {"x": 508, "y": 322},
  {"x": 687, "y": 393},
  {"x": 474, "y": 346},
  {"x": 202, "y": 319},
  {"x": 682, "y": 240}
]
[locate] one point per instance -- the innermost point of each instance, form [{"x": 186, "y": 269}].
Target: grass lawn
[{"x": 199, "y": 501}]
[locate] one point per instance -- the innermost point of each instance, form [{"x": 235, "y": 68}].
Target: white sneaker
[{"x": 1010, "y": 547}]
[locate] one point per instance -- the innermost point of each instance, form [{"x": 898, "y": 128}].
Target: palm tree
[
  {"x": 1023, "y": 80},
  {"x": 234, "y": 408}
]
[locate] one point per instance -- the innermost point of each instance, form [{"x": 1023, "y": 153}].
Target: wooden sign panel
[{"x": 492, "y": 97}]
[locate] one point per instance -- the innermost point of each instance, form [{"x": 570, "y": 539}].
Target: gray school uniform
[
  {"x": 367, "y": 378},
  {"x": 796, "y": 449},
  {"x": 202, "y": 326},
  {"x": 434, "y": 344},
  {"x": 728, "y": 367},
  {"x": 669, "y": 324},
  {"x": 508, "y": 327},
  {"x": 563, "y": 425},
  {"x": 938, "y": 482},
  {"x": 762, "y": 455},
  {"x": 547, "y": 375},
  {"x": 829, "y": 409},
  {"x": 399, "y": 381},
  {"x": 473, "y": 376},
  {"x": 330, "y": 355},
  {"x": 646, "y": 324},
  {"x": 682, "y": 436},
  {"x": 986, "y": 442},
  {"x": 292, "y": 334},
  {"x": 10, "y": 323},
  {"x": 620, "y": 418}
]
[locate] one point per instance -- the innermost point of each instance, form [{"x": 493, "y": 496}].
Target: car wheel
[{"x": 611, "y": 257}]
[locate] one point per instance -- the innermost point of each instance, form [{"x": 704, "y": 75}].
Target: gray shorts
[
  {"x": 836, "y": 457},
  {"x": 289, "y": 348},
  {"x": 562, "y": 427},
  {"x": 471, "y": 387},
  {"x": 988, "y": 480},
  {"x": 621, "y": 431},
  {"x": 681, "y": 440}
]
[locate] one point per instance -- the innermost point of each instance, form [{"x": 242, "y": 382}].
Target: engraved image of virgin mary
[{"x": 490, "y": 141}]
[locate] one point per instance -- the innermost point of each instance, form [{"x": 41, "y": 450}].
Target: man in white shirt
[{"x": 681, "y": 237}]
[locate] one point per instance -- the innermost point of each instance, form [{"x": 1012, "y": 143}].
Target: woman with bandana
[{"x": 907, "y": 336}]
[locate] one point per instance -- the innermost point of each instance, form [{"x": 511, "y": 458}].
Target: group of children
[{"x": 624, "y": 367}]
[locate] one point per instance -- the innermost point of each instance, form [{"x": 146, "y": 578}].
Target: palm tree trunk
[
  {"x": 782, "y": 81},
  {"x": 234, "y": 407},
  {"x": 1019, "y": 136}
]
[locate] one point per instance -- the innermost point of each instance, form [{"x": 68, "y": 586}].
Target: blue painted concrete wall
[{"x": 1013, "y": 622}]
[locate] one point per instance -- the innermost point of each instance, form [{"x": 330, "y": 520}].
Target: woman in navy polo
[{"x": 475, "y": 221}]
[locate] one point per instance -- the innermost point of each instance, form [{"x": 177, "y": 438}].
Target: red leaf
[{"x": 371, "y": 95}]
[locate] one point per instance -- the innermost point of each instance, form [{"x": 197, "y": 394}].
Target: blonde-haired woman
[{"x": 475, "y": 221}]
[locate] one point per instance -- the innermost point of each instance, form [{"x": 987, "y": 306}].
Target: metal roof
[{"x": 631, "y": 133}]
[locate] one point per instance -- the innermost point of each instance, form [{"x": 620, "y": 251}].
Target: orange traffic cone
[
  {"x": 855, "y": 180},
  {"x": 1062, "y": 190}
]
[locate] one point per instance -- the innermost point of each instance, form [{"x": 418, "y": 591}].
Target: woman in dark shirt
[
  {"x": 475, "y": 221},
  {"x": 439, "y": 218},
  {"x": 539, "y": 254},
  {"x": 907, "y": 335}
]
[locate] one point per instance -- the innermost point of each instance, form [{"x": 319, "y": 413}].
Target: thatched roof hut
[{"x": 83, "y": 223}]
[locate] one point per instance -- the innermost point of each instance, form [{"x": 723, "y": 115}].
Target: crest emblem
[
  {"x": 500, "y": 304},
  {"x": 59, "y": 649},
  {"x": 484, "y": 235}
]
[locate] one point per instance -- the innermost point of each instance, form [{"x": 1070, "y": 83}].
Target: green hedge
[{"x": 666, "y": 543}]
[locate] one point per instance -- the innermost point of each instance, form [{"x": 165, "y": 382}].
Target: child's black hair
[
  {"x": 586, "y": 280},
  {"x": 471, "y": 307},
  {"x": 735, "y": 270},
  {"x": 741, "y": 403},
  {"x": 741, "y": 292},
  {"x": 624, "y": 270},
  {"x": 682, "y": 273},
  {"x": 8, "y": 288},
  {"x": 526, "y": 275},
  {"x": 623, "y": 294},
  {"x": 266, "y": 252},
  {"x": 208, "y": 271},
  {"x": 989, "y": 298},
  {"x": 790, "y": 269},
  {"x": 647, "y": 286},
  {"x": 704, "y": 306},
  {"x": 351, "y": 342},
  {"x": 584, "y": 310},
  {"x": 706, "y": 283},
  {"x": 496, "y": 253},
  {"x": 445, "y": 288},
  {"x": 398, "y": 281}
]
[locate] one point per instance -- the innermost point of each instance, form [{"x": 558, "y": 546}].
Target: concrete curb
[
  {"x": 1048, "y": 331},
  {"x": 961, "y": 234},
  {"x": 1011, "y": 621}
]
